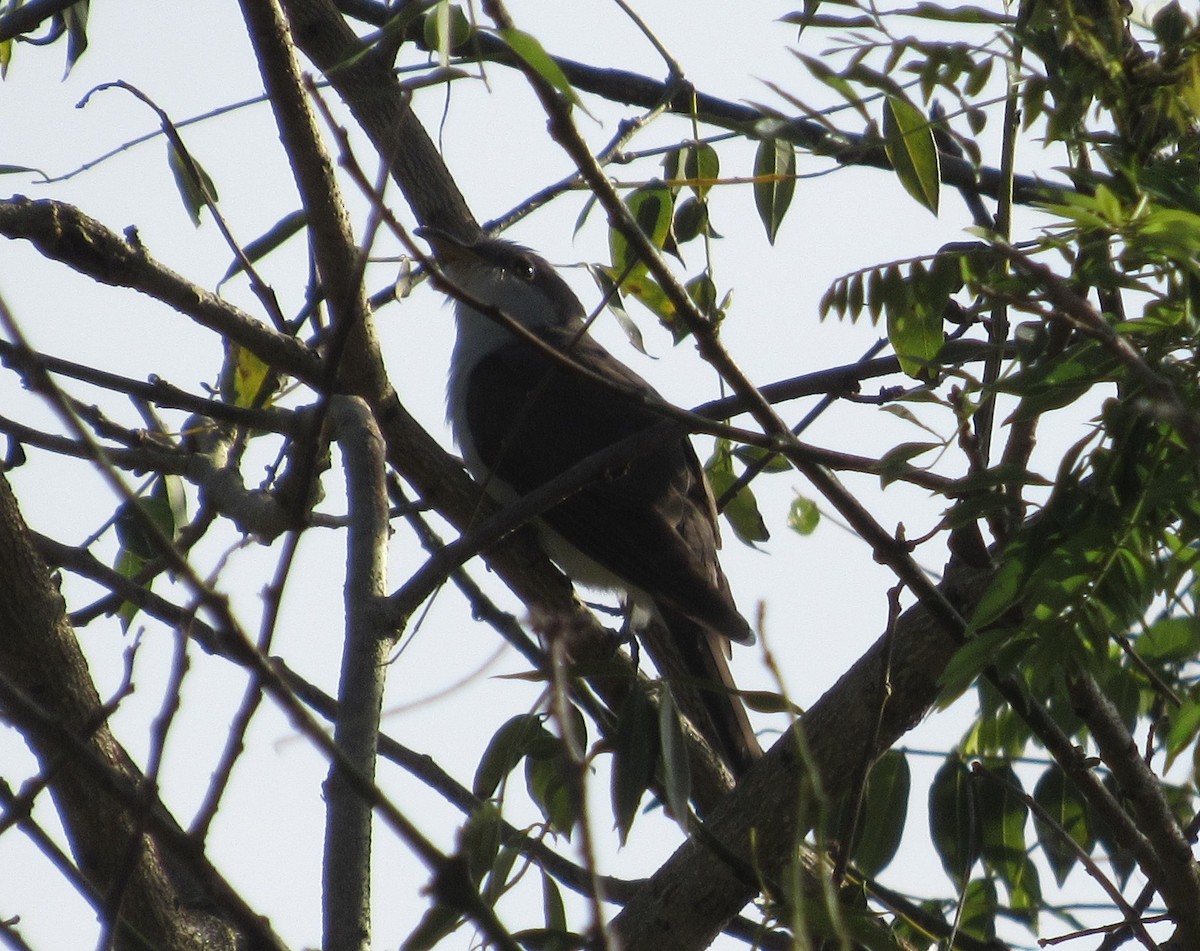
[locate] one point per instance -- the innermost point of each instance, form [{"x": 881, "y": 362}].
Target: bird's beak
[{"x": 447, "y": 248}]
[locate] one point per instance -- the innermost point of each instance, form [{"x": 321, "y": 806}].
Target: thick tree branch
[
  {"x": 39, "y": 652},
  {"x": 1174, "y": 873},
  {"x": 684, "y": 905},
  {"x": 368, "y": 640},
  {"x": 64, "y": 233}
]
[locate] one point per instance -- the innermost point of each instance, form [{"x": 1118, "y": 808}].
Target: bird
[{"x": 648, "y": 527}]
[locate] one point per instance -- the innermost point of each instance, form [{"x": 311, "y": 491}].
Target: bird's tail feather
[{"x": 706, "y": 692}]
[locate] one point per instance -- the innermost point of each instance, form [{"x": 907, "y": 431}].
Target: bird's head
[{"x": 506, "y": 276}]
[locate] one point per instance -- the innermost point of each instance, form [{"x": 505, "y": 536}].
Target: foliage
[{"x": 1077, "y": 291}]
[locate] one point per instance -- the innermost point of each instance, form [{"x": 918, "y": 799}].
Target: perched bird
[{"x": 521, "y": 418}]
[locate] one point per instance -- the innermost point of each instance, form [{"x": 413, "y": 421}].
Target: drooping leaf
[
  {"x": 549, "y": 787},
  {"x": 741, "y": 510},
  {"x": 75, "y": 18},
  {"x": 646, "y": 291},
  {"x": 508, "y": 746},
  {"x": 652, "y": 207},
  {"x": 774, "y": 183},
  {"x": 635, "y": 754},
  {"x": 479, "y": 840},
  {"x": 701, "y": 167},
  {"x": 1002, "y": 818},
  {"x": 1068, "y": 817},
  {"x": 910, "y": 146},
  {"x": 835, "y": 81},
  {"x": 500, "y": 875},
  {"x": 884, "y": 811},
  {"x": 552, "y": 904},
  {"x": 691, "y": 220},
  {"x": 446, "y": 29},
  {"x": 197, "y": 189},
  {"x": 1183, "y": 729},
  {"x": 980, "y": 903},
  {"x": 677, "y": 776},
  {"x": 916, "y": 310},
  {"x": 535, "y": 56},
  {"x": 1122, "y": 859},
  {"x": 953, "y": 820}
]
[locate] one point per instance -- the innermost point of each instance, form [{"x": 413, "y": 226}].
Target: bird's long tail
[{"x": 705, "y": 690}]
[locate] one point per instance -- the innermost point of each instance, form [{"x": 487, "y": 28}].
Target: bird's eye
[{"x": 525, "y": 270}]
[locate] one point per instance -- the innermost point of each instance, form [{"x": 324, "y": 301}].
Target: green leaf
[
  {"x": 774, "y": 183},
  {"x": 701, "y": 167},
  {"x": 1122, "y": 859},
  {"x": 691, "y": 220},
  {"x": 953, "y": 820},
  {"x": 741, "y": 511},
  {"x": 128, "y": 565},
  {"x": 1068, "y": 819},
  {"x": 635, "y": 754},
  {"x": 766, "y": 701},
  {"x": 980, "y": 903},
  {"x": 536, "y": 57},
  {"x": 75, "y": 19},
  {"x": 1002, "y": 817},
  {"x": 549, "y": 787},
  {"x": 197, "y": 190},
  {"x": 164, "y": 507},
  {"x": 445, "y": 30},
  {"x": 1170, "y": 640},
  {"x": 437, "y": 922},
  {"x": 884, "y": 811},
  {"x": 479, "y": 840},
  {"x": 1025, "y": 893},
  {"x": 1183, "y": 730},
  {"x": 835, "y": 81},
  {"x": 1006, "y": 587},
  {"x": 500, "y": 876},
  {"x": 910, "y": 146},
  {"x": 259, "y": 248},
  {"x": 916, "y": 335},
  {"x": 956, "y": 14},
  {"x": 508, "y": 746},
  {"x": 651, "y": 206},
  {"x": 646, "y": 291},
  {"x": 549, "y": 939},
  {"x": 753, "y": 455},
  {"x": 552, "y": 904},
  {"x": 803, "y": 515},
  {"x": 703, "y": 293},
  {"x": 970, "y": 659},
  {"x": 677, "y": 776},
  {"x": 895, "y": 462}
]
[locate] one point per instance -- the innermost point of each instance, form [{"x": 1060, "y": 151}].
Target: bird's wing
[{"x": 651, "y": 522}]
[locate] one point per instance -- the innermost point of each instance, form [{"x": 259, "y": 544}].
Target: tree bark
[
  {"x": 761, "y": 824},
  {"x": 43, "y": 668}
]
